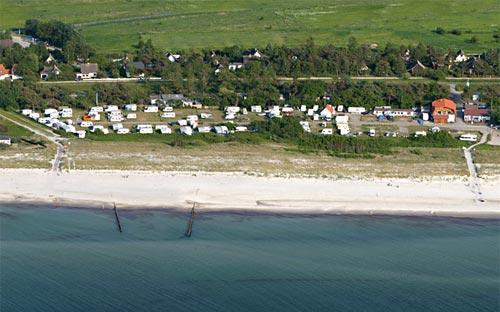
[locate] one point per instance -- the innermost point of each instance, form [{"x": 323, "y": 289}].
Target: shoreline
[{"x": 238, "y": 192}]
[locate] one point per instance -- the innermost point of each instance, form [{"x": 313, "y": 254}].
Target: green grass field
[{"x": 114, "y": 25}]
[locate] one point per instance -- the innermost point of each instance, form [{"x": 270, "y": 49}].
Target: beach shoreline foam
[{"x": 444, "y": 197}]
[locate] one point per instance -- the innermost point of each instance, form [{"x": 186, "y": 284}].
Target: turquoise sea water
[{"x": 59, "y": 259}]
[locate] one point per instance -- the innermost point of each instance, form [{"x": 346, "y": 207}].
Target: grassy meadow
[{"x": 115, "y": 25}]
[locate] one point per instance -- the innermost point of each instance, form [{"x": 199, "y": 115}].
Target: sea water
[{"x": 61, "y": 259}]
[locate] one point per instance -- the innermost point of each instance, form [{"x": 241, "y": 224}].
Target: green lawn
[{"x": 114, "y": 25}]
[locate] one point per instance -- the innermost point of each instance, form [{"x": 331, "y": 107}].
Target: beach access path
[
  {"x": 49, "y": 135},
  {"x": 446, "y": 196}
]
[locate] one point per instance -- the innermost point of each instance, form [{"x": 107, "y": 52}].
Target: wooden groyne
[
  {"x": 117, "y": 218},
  {"x": 189, "y": 229}
]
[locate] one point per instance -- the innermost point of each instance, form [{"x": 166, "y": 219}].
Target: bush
[
  {"x": 456, "y": 32},
  {"x": 440, "y": 31}
]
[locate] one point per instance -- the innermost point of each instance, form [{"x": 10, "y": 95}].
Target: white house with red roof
[{"x": 327, "y": 112}]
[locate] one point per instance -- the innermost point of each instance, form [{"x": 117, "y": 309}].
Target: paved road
[
  {"x": 370, "y": 78},
  {"x": 52, "y": 137}
]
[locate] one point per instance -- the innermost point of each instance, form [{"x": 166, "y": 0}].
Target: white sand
[{"x": 226, "y": 191}]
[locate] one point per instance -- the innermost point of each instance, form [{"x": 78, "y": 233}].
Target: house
[
  {"x": 252, "y": 54},
  {"x": 81, "y": 134},
  {"x": 87, "y": 71},
  {"x": 356, "y": 110},
  {"x": 232, "y": 109},
  {"x": 328, "y": 112},
  {"x": 131, "y": 116},
  {"x": 235, "y": 66},
  {"x": 4, "y": 72},
  {"x": 5, "y": 140},
  {"x": 48, "y": 71},
  {"x": 50, "y": 59},
  {"x": 443, "y": 111},
  {"x": 475, "y": 113},
  {"x": 418, "y": 68},
  {"x": 205, "y": 115},
  {"x": 460, "y": 57}
]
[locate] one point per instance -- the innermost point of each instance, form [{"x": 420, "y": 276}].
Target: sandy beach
[{"x": 235, "y": 191}]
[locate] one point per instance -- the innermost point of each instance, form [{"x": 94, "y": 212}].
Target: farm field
[{"x": 115, "y": 25}]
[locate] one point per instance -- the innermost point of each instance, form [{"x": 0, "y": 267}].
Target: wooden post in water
[
  {"x": 189, "y": 229},
  {"x": 117, "y": 218}
]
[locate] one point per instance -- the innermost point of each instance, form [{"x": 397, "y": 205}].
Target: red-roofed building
[
  {"x": 327, "y": 112},
  {"x": 4, "y": 72},
  {"x": 472, "y": 113},
  {"x": 444, "y": 111}
]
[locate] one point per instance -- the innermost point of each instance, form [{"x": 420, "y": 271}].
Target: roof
[
  {"x": 3, "y": 70},
  {"x": 139, "y": 65},
  {"x": 50, "y": 69},
  {"x": 6, "y": 43},
  {"x": 329, "y": 108},
  {"x": 475, "y": 111},
  {"x": 444, "y": 104},
  {"x": 88, "y": 68}
]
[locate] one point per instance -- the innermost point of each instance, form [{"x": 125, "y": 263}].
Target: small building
[
  {"x": 328, "y": 112},
  {"x": 473, "y": 113},
  {"x": 164, "y": 129},
  {"x": 5, "y": 140},
  {"x": 443, "y": 111},
  {"x": 131, "y": 116},
  {"x": 460, "y": 57},
  {"x": 417, "y": 69},
  {"x": 87, "y": 71},
  {"x": 49, "y": 71}
]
